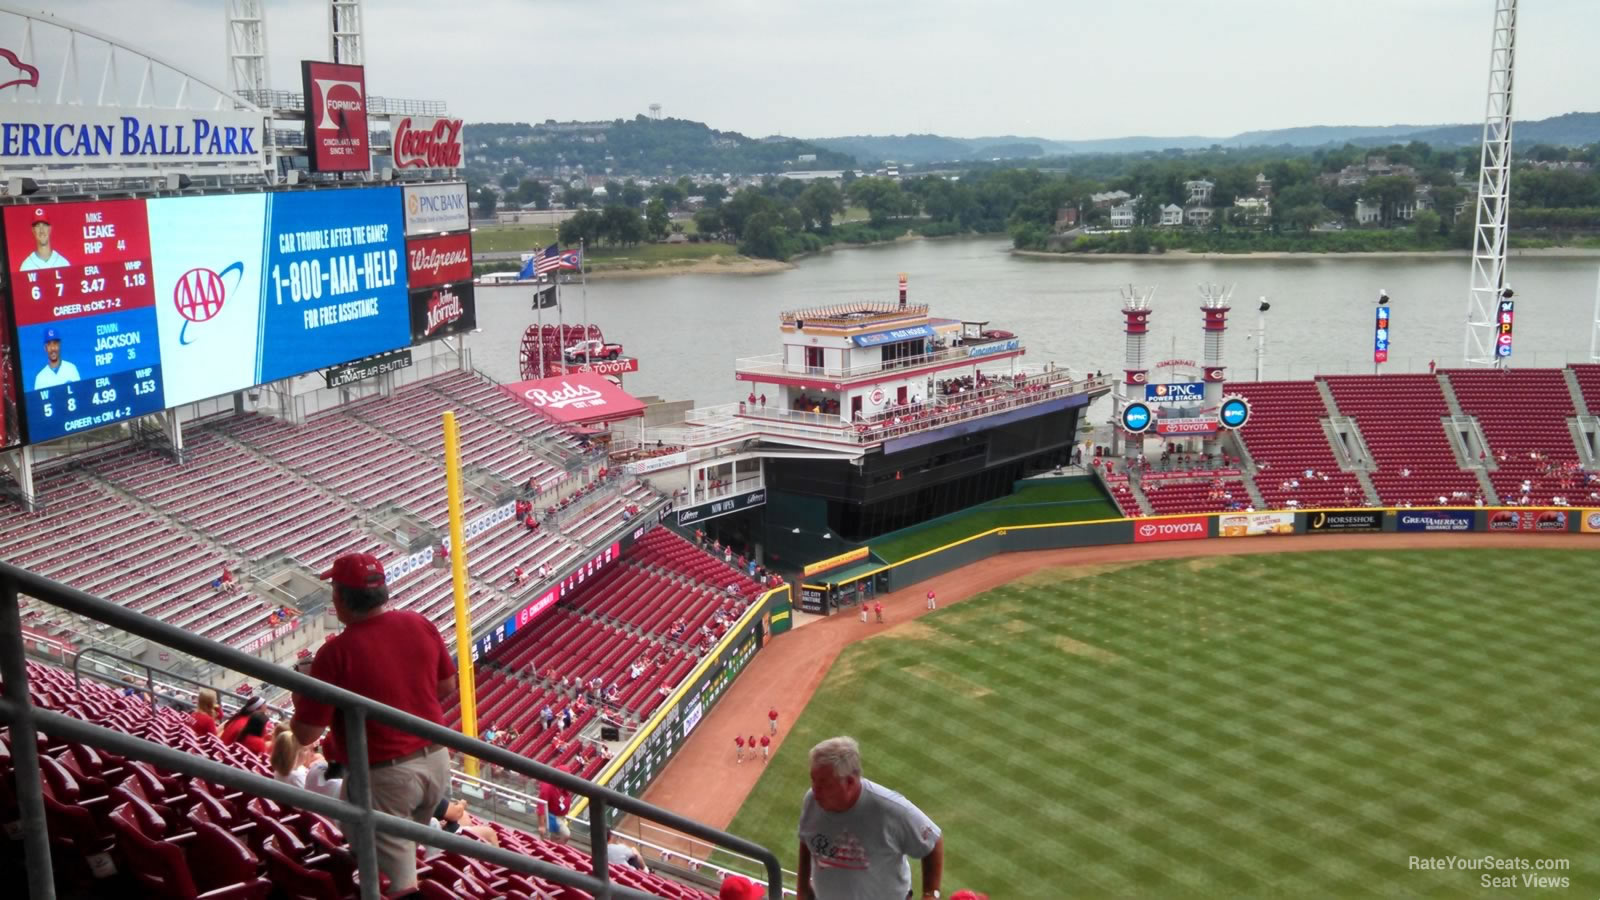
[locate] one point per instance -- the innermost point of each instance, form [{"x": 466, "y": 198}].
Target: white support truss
[
  {"x": 248, "y": 69},
  {"x": 344, "y": 32},
  {"x": 1494, "y": 195}
]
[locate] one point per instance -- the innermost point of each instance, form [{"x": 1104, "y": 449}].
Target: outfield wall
[
  {"x": 648, "y": 752},
  {"x": 1226, "y": 525}
]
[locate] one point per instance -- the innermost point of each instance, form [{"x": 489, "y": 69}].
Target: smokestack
[{"x": 902, "y": 290}]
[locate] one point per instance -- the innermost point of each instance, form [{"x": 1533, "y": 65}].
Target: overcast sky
[{"x": 1062, "y": 69}]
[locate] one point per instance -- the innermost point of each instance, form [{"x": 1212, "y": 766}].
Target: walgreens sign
[
  {"x": 1186, "y": 528},
  {"x": 424, "y": 143}
]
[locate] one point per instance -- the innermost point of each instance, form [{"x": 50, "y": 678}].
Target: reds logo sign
[
  {"x": 421, "y": 143},
  {"x": 21, "y": 74},
  {"x": 1136, "y": 377}
]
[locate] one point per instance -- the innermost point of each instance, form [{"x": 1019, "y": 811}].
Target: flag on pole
[
  {"x": 528, "y": 269},
  {"x": 548, "y": 259},
  {"x": 571, "y": 260}
]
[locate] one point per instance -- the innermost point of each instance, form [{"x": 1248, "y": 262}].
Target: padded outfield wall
[{"x": 1227, "y": 525}]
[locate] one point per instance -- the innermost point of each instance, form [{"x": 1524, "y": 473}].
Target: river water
[{"x": 687, "y": 330}]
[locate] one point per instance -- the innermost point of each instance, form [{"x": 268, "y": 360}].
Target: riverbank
[
  {"x": 1256, "y": 255},
  {"x": 711, "y": 265}
]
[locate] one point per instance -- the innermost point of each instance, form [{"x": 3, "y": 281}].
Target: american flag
[{"x": 553, "y": 258}]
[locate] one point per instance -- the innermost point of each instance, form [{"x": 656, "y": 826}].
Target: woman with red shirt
[{"x": 206, "y": 712}]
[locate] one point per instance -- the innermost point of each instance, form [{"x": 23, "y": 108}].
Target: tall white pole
[
  {"x": 1261, "y": 336},
  {"x": 1594, "y": 333},
  {"x": 1494, "y": 196}
]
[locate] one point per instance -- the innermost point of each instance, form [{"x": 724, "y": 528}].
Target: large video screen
[{"x": 126, "y": 307}]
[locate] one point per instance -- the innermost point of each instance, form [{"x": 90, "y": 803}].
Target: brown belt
[{"x": 417, "y": 754}]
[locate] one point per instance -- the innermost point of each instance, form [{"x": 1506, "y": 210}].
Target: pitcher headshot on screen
[
  {"x": 56, "y": 371},
  {"x": 43, "y": 256}
]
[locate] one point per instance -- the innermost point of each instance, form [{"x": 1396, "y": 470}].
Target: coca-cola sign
[
  {"x": 443, "y": 310},
  {"x": 425, "y": 143},
  {"x": 438, "y": 260}
]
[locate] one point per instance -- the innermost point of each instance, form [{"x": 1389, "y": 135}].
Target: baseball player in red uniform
[
  {"x": 932, "y": 603},
  {"x": 772, "y": 719},
  {"x": 752, "y": 746},
  {"x": 765, "y": 743},
  {"x": 739, "y": 742},
  {"x": 878, "y": 608}
]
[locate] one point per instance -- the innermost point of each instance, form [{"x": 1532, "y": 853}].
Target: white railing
[{"x": 777, "y": 364}]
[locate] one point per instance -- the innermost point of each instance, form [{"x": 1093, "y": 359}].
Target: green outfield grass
[
  {"x": 511, "y": 238},
  {"x": 1035, "y": 503},
  {"x": 1295, "y": 725}
]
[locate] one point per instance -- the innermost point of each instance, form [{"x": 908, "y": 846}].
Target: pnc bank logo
[{"x": 200, "y": 293}]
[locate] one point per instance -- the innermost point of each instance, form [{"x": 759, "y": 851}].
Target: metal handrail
[
  {"x": 18, "y": 711},
  {"x": 778, "y": 364}
]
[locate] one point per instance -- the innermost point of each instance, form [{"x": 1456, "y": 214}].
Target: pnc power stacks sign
[{"x": 336, "y": 117}]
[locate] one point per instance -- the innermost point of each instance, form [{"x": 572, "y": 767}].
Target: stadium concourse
[{"x": 1459, "y": 437}]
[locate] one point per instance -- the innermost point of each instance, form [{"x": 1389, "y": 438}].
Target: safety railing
[
  {"x": 356, "y": 811},
  {"x": 777, "y": 364}
]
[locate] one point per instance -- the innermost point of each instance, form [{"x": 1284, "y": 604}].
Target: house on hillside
[
  {"x": 1122, "y": 215},
  {"x": 1254, "y": 210},
  {"x": 1171, "y": 215},
  {"x": 1066, "y": 217},
  {"x": 1198, "y": 216},
  {"x": 1263, "y": 185},
  {"x": 1108, "y": 199},
  {"x": 1199, "y": 191}
]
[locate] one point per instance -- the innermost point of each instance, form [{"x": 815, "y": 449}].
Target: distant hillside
[
  {"x": 1571, "y": 129},
  {"x": 641, "y": 146}
]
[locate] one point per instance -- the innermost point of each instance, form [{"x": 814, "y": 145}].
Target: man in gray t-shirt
[{"x": 855, "y": 835}]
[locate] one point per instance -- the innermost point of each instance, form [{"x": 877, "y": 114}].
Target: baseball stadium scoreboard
[{"x": 119, "y": 308}]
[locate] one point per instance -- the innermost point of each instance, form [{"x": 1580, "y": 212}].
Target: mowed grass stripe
[{"x": 1291, "y": 724}]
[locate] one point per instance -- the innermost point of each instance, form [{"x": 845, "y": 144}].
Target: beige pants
[{"x": 410, "y": 790}]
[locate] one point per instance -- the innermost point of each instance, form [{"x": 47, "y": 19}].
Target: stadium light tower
[
  {"x": 344, "y": 32},
  {"x": 1494, "y": 195},
  {"x": 1135, "y": 363},
  {"x": 1215, "y": 301},
  {"x": 247, "y": 49}
]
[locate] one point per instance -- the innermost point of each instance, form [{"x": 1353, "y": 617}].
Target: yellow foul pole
[{"x": 458, "y": 572}]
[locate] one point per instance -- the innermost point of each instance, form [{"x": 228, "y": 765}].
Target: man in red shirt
[
  {"x": 395, "y": 657},
  {"x": 772, "y": 719},
  {"x": 556, "y": 804},
  {"x": 878, "y": 608},
  {"x": 765, "y": 743},
  {"x": 932, "y": 602},
  {"x": 738, "y": 741}
]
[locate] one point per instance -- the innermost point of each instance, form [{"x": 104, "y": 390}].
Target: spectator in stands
[
  {"x": 302, "y": 766},
  {"x": 620, "y": 854},
  {"x": 556, "y": 803},
  {"x": 207, "y": 710},
  {"x": 738, "y": 887},
  {"x": 395, "y": 657},
  {"x": 859, "y": 833},
  {"x": 547, "y": 715},
  {"x": 451, "y": 816},
  {"x": 235, "y": 725},
  {"x": 566, "y": 718},
  {"x": 253, "y": 736}
]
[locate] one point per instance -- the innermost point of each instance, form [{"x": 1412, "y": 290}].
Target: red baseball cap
[
  {"x": 738, "y": 887},
  {"x": 39, "y": 216},
  {"x": 968, "y": 895},
  {"x": 356, "y": 570}
]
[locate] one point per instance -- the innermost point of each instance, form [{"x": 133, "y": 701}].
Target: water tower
[{"x": 655, "y": 111}]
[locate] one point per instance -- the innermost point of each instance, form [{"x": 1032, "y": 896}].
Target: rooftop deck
[
  {"x": 774, "y": 364},
  {"x": 1003, "y": 394},
  {"x": 845, "y": 315}
]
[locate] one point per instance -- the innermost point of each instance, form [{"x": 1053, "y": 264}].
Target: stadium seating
[
  {"x": 1400, "y": 418},
  {"x": 1195, "y": 491},
  {"x": 622, "y": 617},
  {"x": 1285, "y": 438},
  {"x": 1589, "y": 383},
  {"x": 171, "y": 836},
  {"x": 1523, "y": 413}
]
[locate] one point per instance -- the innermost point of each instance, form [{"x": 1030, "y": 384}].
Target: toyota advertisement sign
[
  {"x": 336, "y": 117},
  {"x": 1176, "y": 528}
]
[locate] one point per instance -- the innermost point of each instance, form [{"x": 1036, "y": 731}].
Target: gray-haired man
[{"x": 855, "y": 835}]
